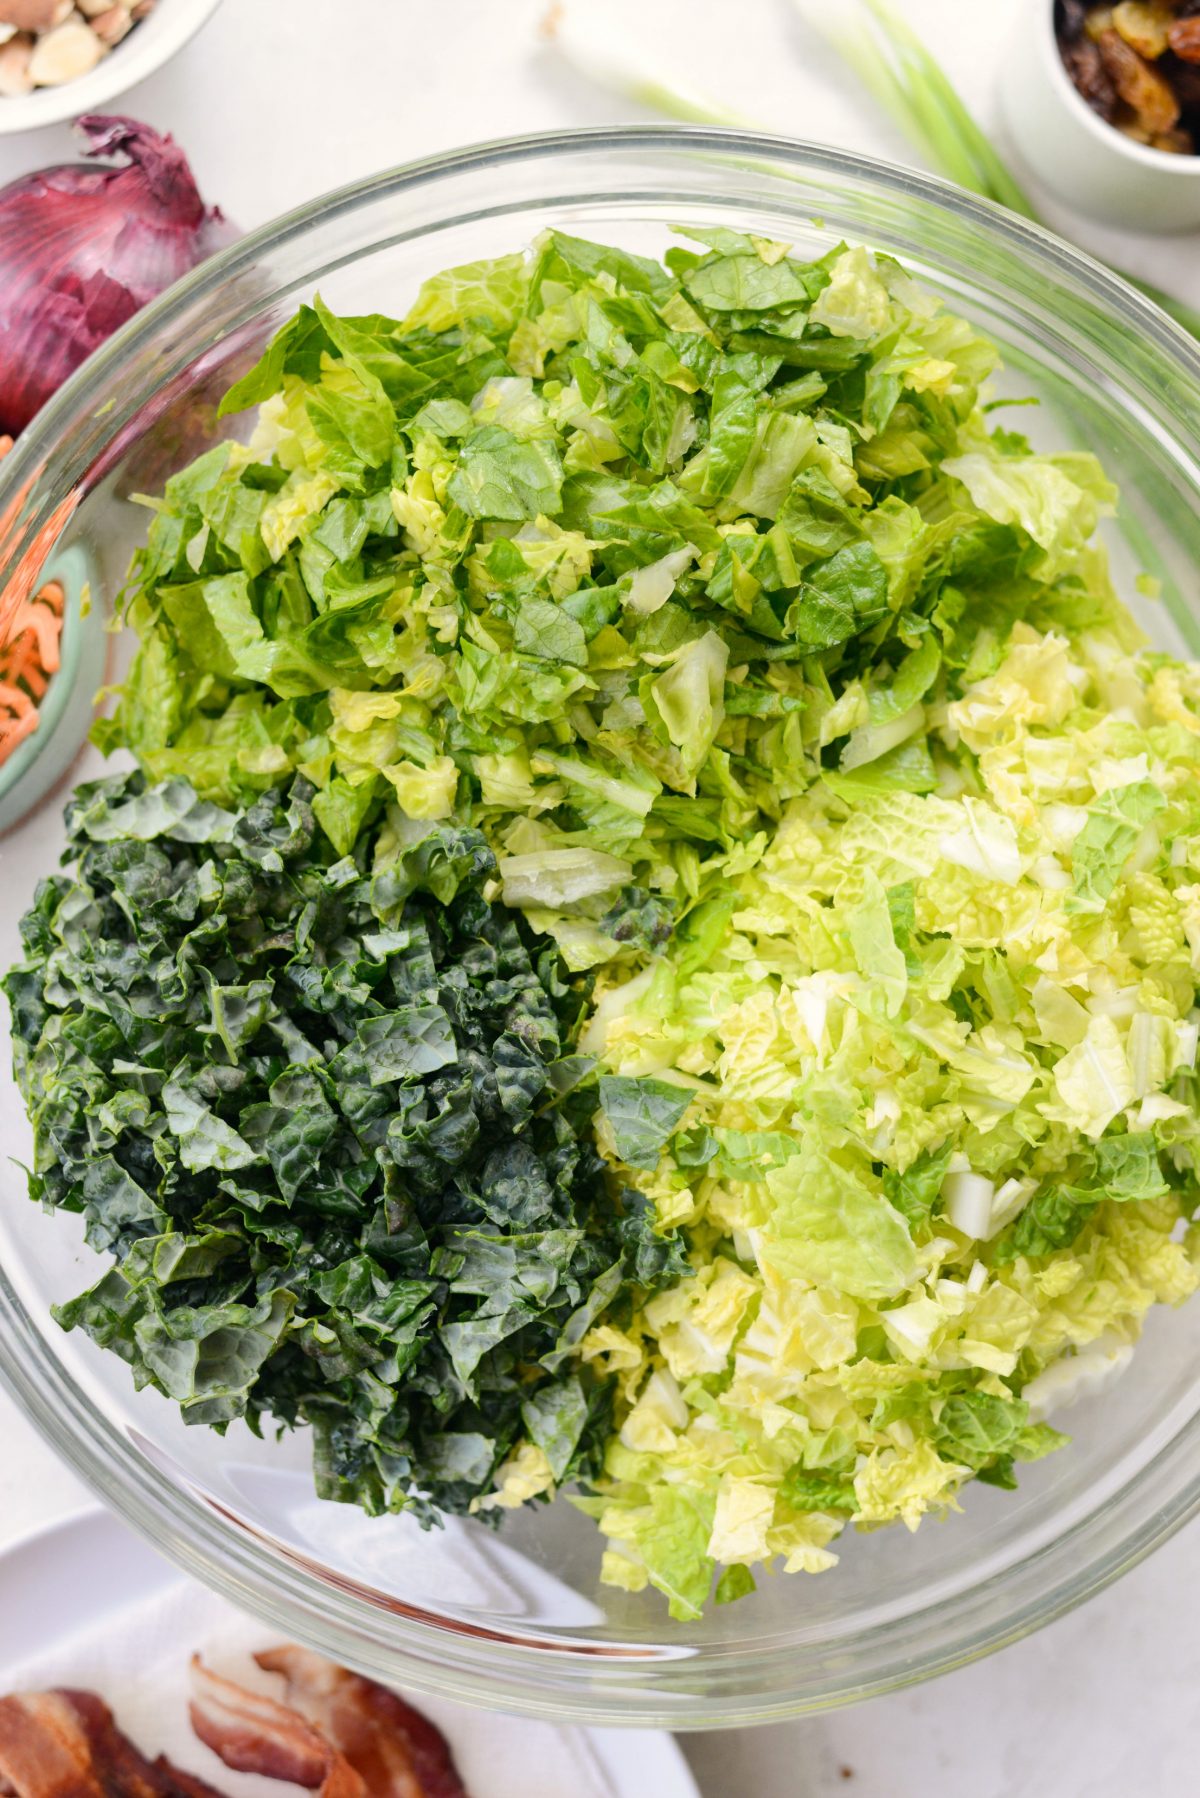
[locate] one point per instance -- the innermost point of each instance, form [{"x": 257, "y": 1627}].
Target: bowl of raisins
[{"x": 1103, "y": 103}]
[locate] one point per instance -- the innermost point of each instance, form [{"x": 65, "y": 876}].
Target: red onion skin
[{"x": 82, "y": 249}]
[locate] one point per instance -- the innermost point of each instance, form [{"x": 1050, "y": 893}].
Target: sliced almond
[
  {"x": 64, "y": 54},
  {"x": 15, "y": 78}
]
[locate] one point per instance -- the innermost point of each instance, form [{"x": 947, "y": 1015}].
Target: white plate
[{"x": 86, "y": 1602}]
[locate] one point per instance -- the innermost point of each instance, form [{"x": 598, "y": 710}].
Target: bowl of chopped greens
[{"x": 605, "y": 1051}]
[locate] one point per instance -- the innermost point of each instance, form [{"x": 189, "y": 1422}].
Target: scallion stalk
[
  {"x": 608, "y": 58},
  {"x": 910, "y": 84},
  {"x": 891, "y": 61}
]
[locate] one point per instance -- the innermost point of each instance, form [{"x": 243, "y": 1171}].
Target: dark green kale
[{"x": 324, "y": 1115}]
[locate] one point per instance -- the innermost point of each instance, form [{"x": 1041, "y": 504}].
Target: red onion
[{"x": 82, "y": 249}]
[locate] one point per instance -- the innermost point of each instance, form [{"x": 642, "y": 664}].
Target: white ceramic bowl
[
  {"x": 150, "y": 44},
  {"x": 1081, "y": 158}
]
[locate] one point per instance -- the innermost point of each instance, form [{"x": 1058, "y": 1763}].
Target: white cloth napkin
[{"x": 137, "y": 1658}]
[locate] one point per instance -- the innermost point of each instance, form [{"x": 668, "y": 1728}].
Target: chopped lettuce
[
  {"x": 790, "y": 702},
  {"x": 593, "y": 554}
]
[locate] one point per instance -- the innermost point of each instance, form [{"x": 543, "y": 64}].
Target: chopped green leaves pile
[
  {"x": 583, "y": 552},
  {"x": 944, "y": 1129},
  {"x": 329, "y": 1129},
  {"x": 655, "y": 940}
]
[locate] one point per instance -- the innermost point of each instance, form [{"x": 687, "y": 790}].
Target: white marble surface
[{"x": 280, "y": 99}]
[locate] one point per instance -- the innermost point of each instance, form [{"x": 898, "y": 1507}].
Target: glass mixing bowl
[{"x": 518, "y": 1620}]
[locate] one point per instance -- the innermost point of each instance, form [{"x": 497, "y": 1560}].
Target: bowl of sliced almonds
[
  {"x": 1103, "y": 103},
  {"x": 59, "y": 58}
]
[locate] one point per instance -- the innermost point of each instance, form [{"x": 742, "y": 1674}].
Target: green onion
[
  {"x": 910, "y": 84},
  {"x": 904, "y": 77},
  {"x": 930, "y": 110},
  {"x": 608, "y": 58}
]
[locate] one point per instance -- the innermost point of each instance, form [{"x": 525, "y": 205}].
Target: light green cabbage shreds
[
  {"x": 796, "y": 703},
  {"x": 943, "y": 1123}
]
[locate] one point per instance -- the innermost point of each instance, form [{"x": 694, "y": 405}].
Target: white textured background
[{"x": 279, "y": 100}]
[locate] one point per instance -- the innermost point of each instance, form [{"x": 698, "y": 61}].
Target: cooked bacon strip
[
  {"x": 185, "y": 1784},
  {"x": 66, "y": 1745},
  {"x": 253, "y": 1734},
  {"x": 44, "y": 1749},
  {"x": 122, "y": 1768},
  {"x": 396, "y": 1750},
  {"x": 346, "y": 1738}
]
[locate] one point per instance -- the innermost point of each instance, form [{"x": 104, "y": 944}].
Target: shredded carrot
[{"x": 28, "y": 657}]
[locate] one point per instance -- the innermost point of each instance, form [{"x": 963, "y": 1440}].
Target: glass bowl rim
[
  {"x": 498, "y": 1667},
  {"x": 1102, "y": 283}
]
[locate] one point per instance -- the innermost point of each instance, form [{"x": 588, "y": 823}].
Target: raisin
[
  {"x": 1144, "y": 27},
  {"x": 1085, "y": 66},
  {"x": 1139, "y": 85},
  {"x": 1184, "y": 39},
  {"x": 1070, "y": 17},
  {"x": 1184, "y": 78}
]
